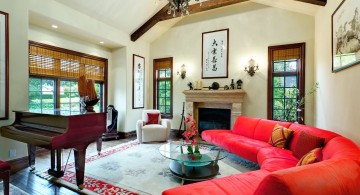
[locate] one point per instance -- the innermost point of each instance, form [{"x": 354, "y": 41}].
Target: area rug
[
  {"x": 134, "y": 168},
  {"x": 13, "y": 190}
]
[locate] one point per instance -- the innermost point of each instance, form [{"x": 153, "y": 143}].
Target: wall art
[
  {"x": 138, "y": 81},
  {"x": 215, "y": 54},
  {"x": 346, "y": 35},
  {"x": 4, "y": 65}
]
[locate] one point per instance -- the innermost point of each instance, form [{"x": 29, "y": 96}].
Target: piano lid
[{"x": 57, "y": 112}]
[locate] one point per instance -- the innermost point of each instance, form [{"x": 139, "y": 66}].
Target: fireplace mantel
[{"x": 227, "y": 99}]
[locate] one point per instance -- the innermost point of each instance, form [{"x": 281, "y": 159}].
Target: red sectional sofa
[{"x": 337, "y": 173}]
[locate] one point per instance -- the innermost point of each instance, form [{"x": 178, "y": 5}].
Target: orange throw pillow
[
  {"x": 280, "y": 137},
  {"x": 313, "y": 156},
  {"x": 153, "y": 118}
]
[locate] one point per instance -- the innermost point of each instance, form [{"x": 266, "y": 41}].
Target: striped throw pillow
[
  {"x": 313, "y": 156},
  {"x": 280, "y": 137}
]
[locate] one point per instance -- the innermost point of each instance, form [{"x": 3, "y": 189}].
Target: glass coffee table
[{"x": 186, "y": 167}]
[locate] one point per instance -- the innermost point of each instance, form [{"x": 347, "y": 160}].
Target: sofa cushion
[
  {"x": 341, "y": 147},
  {"x": 311, "y": 157},
  {"x": 244, "y": 184},
  {"x": 272, "y": 152},
  {"x": 218, "y": 137},
  {"x": 297, "y": 128},
  {"x": 265, "y": 127},
  {"x": 245, "y": 126},
  {"x": 326, "y": 177},
  {"x": 306, "y": 143},
  {"x": 246, "y": 147},
  {"x": 280, "y": 136}
]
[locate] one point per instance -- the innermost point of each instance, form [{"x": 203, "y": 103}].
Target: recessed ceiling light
[
  {"x": 54, "y": 26},
  {"x": 101, "y": 42}
]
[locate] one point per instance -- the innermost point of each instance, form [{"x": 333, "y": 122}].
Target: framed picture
[
  {"x": 138, "y": 81},
  {"x": 4, "y": 65},
  {"x": 215, "y": 54},
  {"x": 345, "y": 35}
]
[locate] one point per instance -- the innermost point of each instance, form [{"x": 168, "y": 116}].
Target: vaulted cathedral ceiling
[{"x": 148, "y": 19}]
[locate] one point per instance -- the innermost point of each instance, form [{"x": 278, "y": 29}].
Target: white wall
[
  {"x": 18, "y": 71},
  {"x": 337, "y": 101},
  {"x": 252, "y": 28}
]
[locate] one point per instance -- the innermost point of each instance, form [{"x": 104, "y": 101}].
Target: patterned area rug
[
  {"x": 13, "y": 190},
  {"x": 134, "y": 168}
]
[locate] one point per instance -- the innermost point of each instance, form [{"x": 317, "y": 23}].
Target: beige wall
[
  {"x": 337, "y": 102},
  {"x": 252, "y": 27},
  {"x": 120, "y": 60},
  {"x": 18, "y": 71}
]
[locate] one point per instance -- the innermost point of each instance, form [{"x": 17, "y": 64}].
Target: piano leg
[
  {"x": 31, "y": 156},
  {"x": 79, "y": 155},
  {"x": 58, "y": 172},
  {"x": 99, "y": 145}
]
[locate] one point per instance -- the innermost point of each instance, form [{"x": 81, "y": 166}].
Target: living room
[{"x": 253, "y": 26}]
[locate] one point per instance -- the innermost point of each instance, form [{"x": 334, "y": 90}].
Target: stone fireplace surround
[{"x": 224, "y": 99}]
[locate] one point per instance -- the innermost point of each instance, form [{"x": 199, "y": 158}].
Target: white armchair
[{"x": 152, "y": 132}]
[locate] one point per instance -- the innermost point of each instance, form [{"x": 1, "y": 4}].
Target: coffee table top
[{"x": 209, "y": 153}]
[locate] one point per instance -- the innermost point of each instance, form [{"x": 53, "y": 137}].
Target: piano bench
[{"x": 5, "y": 175}]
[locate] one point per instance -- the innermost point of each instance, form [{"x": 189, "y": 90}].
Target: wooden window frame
[
  {"x": 155, "y": 79},
  {"x": 300, "y": 73},
  {"x": 58, "y": 78}
]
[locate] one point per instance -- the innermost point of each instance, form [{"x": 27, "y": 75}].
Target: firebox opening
[{"x": 214, "y": 118}]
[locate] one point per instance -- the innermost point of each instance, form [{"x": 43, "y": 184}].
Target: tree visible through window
[
  {"x": 286, "y": 82},
  {"x": 163, "y": 86}
]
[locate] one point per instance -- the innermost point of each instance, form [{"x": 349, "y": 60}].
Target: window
[
  {"x": 53, "y": 77},
  {"x": 163, "y": 88},
  {"x": 41, "y": 93},
  {"x": 286, "y": 82}
]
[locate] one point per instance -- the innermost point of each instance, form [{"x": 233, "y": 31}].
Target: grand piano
[{"x": 55, "y": 130}]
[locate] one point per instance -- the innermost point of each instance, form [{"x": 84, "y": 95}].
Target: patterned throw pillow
[
  {"x": 313, "y": 156},
  {"x": 280, "y": 137},
  {"x": 153, "y": 118},
  {"x": 307, "y": 142}
]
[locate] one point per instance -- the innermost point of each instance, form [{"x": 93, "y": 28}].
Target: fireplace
[
  {"x": 231, "y": 100},
  {"x": 213, "y": 118}
]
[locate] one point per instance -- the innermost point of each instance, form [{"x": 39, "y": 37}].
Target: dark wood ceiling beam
[
  {"x": 315, "y": 2},
  {"x": 195, "y": 8}
]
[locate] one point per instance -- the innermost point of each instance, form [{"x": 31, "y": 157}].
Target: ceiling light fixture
[
  {"x": 54, "y": 26},
  {"x": 181, "y": 6},
  {"x": 101, "y": 42}
]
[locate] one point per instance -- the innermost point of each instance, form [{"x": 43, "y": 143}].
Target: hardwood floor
[{"x": 32, "y": 184}]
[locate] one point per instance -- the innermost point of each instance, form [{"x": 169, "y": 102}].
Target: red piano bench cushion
[
  {"x": 313, "y": 156},
  {"x": 280, "y": 136},
  {"x": 4, "y": 166},
  {"x": 153, "y": 118},
  {"x": 306, "y": 143}
]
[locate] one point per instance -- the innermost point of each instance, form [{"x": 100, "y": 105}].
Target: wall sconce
[
  {"x": 251, "y": 68},
  {"x": 182, "y": 71}
]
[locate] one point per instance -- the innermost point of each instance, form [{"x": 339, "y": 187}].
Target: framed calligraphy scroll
[
  {"x": 4, "y": 65},
  {"x": 138, "y": 81},
  {"x": 215, "y": 54}
]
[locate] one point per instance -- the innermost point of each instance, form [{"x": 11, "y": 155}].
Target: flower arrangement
[{"x": 191, "y": 135}]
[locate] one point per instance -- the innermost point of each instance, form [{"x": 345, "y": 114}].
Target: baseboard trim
[{"x": 22, "y": 163}]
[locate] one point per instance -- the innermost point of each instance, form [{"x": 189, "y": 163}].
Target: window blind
[
  {"x": 286, "y": 54},
  {"x": 46, "y": 60}
]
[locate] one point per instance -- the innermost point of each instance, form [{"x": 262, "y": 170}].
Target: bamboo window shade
[
  {"x": 53, "y": 63},
  {"x": 286, "y": 54},
  {"x": 162, "y": 64}
]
